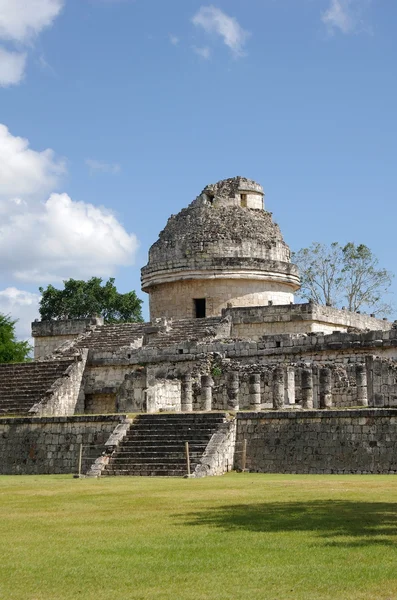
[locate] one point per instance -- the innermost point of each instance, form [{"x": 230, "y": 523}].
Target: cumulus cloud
[
  {"x": 96, "y": 166},
  {"x": 12, "y": 67},
  {"x": 344, "y": 15},
  {"x": 20, "y": 23},
  {"x": 214, "y": 21},
  {"x": 63, "y": 239},
  {"x": 48, "y": 236},
  {"x": 25, "y": 173},
  {"x": 21, "y": 305}
]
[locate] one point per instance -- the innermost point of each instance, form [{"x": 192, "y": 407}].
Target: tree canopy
[
  {"x": 82, "y": 299},
  {"x": 347, "y": 276},
  {"x": 11, "y": 350}
]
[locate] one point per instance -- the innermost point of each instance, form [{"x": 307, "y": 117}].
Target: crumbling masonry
[{"x": 319, "y": 384}]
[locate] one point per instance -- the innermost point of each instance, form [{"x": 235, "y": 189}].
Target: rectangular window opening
[
  {"x": 243, "y": 200},
  {"x": 199, "y": 308}
]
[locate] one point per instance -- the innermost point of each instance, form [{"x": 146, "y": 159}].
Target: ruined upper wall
[
  {"x": 49, "y": 335},
  {"x": 237, "y": 191},
  {"x": 224, "y": 234},
  {"x": 254, "y": 322}
]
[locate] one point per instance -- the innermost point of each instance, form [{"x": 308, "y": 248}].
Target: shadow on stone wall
[{"x": 332, "y": 522}]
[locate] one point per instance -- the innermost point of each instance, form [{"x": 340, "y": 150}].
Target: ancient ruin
[{"x": 228, "y": 363}]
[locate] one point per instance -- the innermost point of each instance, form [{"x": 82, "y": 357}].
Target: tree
[
  {"x": 347, "y": 275},
  {"x": 81, "y": 299},
  {"x": 11, "y": 350}
]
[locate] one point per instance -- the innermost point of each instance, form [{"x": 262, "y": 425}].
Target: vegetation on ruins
[
  {"x": 11, "y": 350},
  {"x": 82, "y": 299},
  {"x": 346, "y": 276},
  {"x": 248, "y": 535}
]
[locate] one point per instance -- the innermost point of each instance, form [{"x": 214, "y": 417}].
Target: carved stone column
[
  {"x": 206, "y": 392},
  {"x": 325, "y": 388},
  {"x": 255, "y": 391},
  {"x": 233, "y": 390},
  {"x": 307, "y": 388},
  {"x": 289, "y": 385},
  {"x": 362, "y": 388},
  {"x": 186, "y": 393},
  {"x": 278, "y": 388}
]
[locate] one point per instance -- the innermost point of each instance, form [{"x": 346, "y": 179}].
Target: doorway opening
[{"x": 199, "y": 308}]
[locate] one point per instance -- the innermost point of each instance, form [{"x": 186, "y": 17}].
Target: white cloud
[
  {"x": 21, "y": 305},
  {"x": 174, "y": 39},
  {"x": 214, "y": 21},
  {"x": 103, "y": 167},
  {"x": 344, "y": 15},
  {"x": 25, "y": 173},
  {"x": 12, "y": 67},
  {"x": 64, "y": 239},
  {"x": 21, "y": 21},
  {"x": 47, "y": 236},
  {"x": 203, "y": 51}
]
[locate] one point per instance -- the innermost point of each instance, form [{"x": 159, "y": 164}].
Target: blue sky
[{"x": 116, "y": 113}]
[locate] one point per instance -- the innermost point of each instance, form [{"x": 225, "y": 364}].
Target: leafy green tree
[
  {"x": 81, "y": 299},
  {"x": 11, "y": 350},
  {"x": 347, "y": 275}
]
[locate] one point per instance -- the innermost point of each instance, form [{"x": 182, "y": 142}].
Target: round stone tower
[{"x": 222, "y": 250}]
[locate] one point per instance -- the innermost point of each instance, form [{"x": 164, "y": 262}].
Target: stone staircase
[
  {"x": 112, "y": 337},
  {"x": 24, "y": 384},
  {"x": 155, "y": 444},
  {"x": 187, "y": 330}
]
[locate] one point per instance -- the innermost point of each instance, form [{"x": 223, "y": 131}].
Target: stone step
[
  {"x": 188, "y": 418},
  {"x": 155, "y": 444},
  {"x": 147, "y": 472},
  {"x": 159, "y": 460},
  {"x": 24, "y": 384},
  {"x": 169, "y": 429},
  {"x": 131, "y": 443}
]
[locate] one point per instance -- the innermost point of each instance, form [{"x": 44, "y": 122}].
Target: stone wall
[
  {"x": 218, "y": 457},
  {"x": 63, "y": 396},
  {"x": 51, "y": 444},
  {"x": 350, "y": 441},
  {"x": 255, "y": 322},
  {"x": 163, "y": 395},
  {"x": 49, "y": 335},
  {"x": 177, "y": 299}
]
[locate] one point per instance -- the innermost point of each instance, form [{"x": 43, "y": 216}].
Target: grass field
[{"x": 247, "y": 536}]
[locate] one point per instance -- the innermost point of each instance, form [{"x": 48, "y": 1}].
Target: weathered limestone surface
[
  {"x": 62, "y": 397},
  {"x": 256, "y": 322},
  {"x": 223, "y": 247},
  {"x": 49, "y": 335},
  {"x": 36, "y": 445},
  {"x": 350, "y": 441},
  {"x": 218, "y": 457}
]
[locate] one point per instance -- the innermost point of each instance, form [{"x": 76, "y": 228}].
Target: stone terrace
[
  {"x": 135, "y": 335},
  {"x": 112, "y": 337},
  {"x": 187, "y": 330},
  {"x": 23, "y": 385}
]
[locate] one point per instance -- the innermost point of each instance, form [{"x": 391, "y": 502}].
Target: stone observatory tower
[{"x": 222, "y": 250}]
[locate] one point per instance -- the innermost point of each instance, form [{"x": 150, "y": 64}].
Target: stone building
[
  {"x": 224, "y": 338},
  {"x": 222, "y": 250}
]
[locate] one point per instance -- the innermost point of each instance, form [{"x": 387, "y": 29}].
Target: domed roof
[{"x": 216, "y": 232}]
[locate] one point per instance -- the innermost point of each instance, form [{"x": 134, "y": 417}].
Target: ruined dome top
[
  {"x": 225, "y": 227},
  {"x": 228, "y": 188}
]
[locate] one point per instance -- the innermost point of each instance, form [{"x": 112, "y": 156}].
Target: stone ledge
[
  {"x": 72, "y": 419},
  {"x": 324, "y": 414}
]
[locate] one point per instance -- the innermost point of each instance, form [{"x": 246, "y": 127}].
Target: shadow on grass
[{"x": 339, "y": 522}]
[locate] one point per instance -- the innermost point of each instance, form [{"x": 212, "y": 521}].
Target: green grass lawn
[{"x": 247, "y": 536}]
